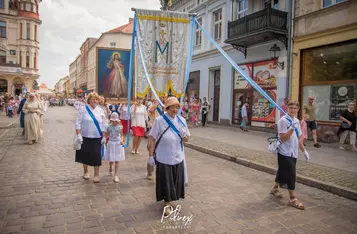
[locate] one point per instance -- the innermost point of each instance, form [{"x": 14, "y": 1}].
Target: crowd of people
[{"x": 101, "y": 129}]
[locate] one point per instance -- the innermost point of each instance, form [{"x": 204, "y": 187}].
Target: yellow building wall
[{"x": 315, "y": 40}]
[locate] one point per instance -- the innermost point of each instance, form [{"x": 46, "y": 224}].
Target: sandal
[
  {"x": 295, "y": 203},
  {"x": 276, "y": 192}
]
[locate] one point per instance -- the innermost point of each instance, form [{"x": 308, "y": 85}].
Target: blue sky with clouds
[{"x": 67, "y": 23}]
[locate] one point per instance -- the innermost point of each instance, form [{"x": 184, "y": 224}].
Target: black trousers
[{"x": 204, "y": 118}]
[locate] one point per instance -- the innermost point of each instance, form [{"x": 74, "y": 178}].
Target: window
[
  {"x": 27, "y": 59},
  {"x": 327, "y": 3},
  {"x": 21, "y": 58},
  {"x": 113, "y": 44},
  {"x": 35, "y": 32},
  {"x": 2, "y": 29},
  {"x": 2, "y": 56},
  {"x": 242, "y": 8},
  {"x": 217, "y": 16},
  {"x": 198, "y": 2},
  {"x": 2, "y": 4},
  {"x": 28, "y": 6},
  {"x": 28, "y": 31},
  {"x": 275, "y": 4},
  {"x": 198, "y": 33},
  {"x": 20, "y": 30},
  {"x": 35, "y": 9},
  {"x": 35, "y": 61}
]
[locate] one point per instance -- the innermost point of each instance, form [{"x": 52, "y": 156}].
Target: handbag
[
  {"x": 97, "y": 126},
  {"x": 345, "y": 125},
  {"x": 76, "y": 146}
]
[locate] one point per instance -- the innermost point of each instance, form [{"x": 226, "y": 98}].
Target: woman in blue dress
[{"x": 22, "y": 116}]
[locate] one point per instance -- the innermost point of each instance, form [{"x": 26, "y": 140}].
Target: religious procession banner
[{"x": 164, "y": 38}]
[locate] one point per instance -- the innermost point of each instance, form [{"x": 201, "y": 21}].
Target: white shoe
[
  {"x": 96, "y": 179},
  {"x": 111, "y": 172},
  {"x": 86, "y": 176},
  {"x": 116, "y": 179},
  {"x": 341, "y": 148}
]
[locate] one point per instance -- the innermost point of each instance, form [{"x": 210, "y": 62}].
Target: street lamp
[{"x": 273, "y": 50}]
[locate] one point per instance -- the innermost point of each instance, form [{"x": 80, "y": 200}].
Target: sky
[{"x": 67, "y": 23}]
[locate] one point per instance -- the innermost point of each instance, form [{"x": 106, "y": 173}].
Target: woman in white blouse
[
  {"x": 139, "y": 119},
  {"x": 89, "y": 136},
  {"x": 166, "y": 146},
  {"x": 124, "y": 118}
]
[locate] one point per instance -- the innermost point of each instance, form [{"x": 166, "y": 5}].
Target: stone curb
[
  {"x": 10, "y": 124},
  {"x": 332, "y": 188}
]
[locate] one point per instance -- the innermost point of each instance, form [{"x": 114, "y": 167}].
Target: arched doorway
[
  {"x": 18, "y": 85},
  {"x": 3, "y": 86}
]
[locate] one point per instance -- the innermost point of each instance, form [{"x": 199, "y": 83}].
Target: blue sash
[
  {"x": 291, "y": 123},
  {"x": 173, "y": 127},
  {"x": 97, "y": 126}
]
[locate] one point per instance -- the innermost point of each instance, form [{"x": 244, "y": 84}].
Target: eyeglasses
[
  {"x": 311, "y": 99},
  {"x": 293, "y": 107}
]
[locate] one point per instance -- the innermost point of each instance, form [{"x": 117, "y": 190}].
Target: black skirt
[
  {"x": 286, "y": 174},
  {"x": 170, "y": 182},
  {"x": 90, "y": 152}
]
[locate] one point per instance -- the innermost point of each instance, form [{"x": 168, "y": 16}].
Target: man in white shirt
[
  {"x": 291, "y": 138},
  {"x": 244, "y": 113}
]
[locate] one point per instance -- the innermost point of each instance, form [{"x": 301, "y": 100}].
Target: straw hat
[
  {"x": 172, "y": 101},
  {"x": 114, "y": 117}
]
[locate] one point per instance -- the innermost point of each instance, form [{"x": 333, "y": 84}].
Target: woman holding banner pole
[{"x": 166, "y": 150}]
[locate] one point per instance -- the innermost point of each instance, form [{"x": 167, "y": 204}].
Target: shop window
[
  {"x": 198, "y": 33},
  {"x": 2, "y": 4},
  {"x": 2, "y": 56},
  {"x": 217, "y": 17},
  {"x": 28, "y": 31},
  {"x": 3, "y": 86},
  {"x": 327, "y": 3},
  {"x": 330, "y": 63},
  {"x": 2, "y": 29}
]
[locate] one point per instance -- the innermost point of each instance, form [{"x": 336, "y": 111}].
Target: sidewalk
[
  {"x": 6, "y": 122},
  {"x": 328, "y": 165}
]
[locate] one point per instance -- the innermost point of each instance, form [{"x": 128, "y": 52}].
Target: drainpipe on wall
[{"x": 290, "y": 45}]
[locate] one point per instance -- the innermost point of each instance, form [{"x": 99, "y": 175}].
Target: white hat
[{"x": 114, "y": 117}]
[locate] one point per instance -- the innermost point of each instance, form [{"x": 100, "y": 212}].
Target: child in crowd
[
  {"x": 303, "y": 126},
  {"x": 115, "y": 150}
]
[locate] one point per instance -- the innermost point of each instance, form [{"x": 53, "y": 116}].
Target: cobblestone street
[{"x": 42, "y": 191}]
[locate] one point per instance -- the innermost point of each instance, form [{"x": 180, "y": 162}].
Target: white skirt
[{"x": 114, "y": 152}]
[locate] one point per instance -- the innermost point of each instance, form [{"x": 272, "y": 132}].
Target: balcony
[{"x": 262, "y": 26}]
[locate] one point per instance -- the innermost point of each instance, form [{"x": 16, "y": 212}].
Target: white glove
[
  {"x": 306, "y": 155},
  {"x": 294, "y": 125},
  {"x": 151, "y": 161},
  {"x": 79, "y": 139},
  {"x": 103, "y": 140}
]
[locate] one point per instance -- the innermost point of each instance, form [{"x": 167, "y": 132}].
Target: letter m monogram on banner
[{"x": 162, "y": 50}]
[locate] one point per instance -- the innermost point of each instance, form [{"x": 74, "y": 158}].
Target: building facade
[
  {"x": 19, "y": 45},
  {"x": 249, "y": 31},
  {"x": 325, "y": 58},
  {"x": 82, "y": 72},
  {"x": 73, "y": 76},
  {"x": 117, "y": 38}
]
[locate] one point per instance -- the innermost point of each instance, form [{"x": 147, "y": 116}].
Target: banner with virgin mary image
[{"x": 164, "y": 39}]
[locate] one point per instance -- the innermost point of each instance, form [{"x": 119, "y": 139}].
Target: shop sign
[
  {"x": 263, "y": 112},
  {"x": 265, "y": 74},
  {"x": 10, "y": 69},
  {"x": 239, "y": 81}
]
